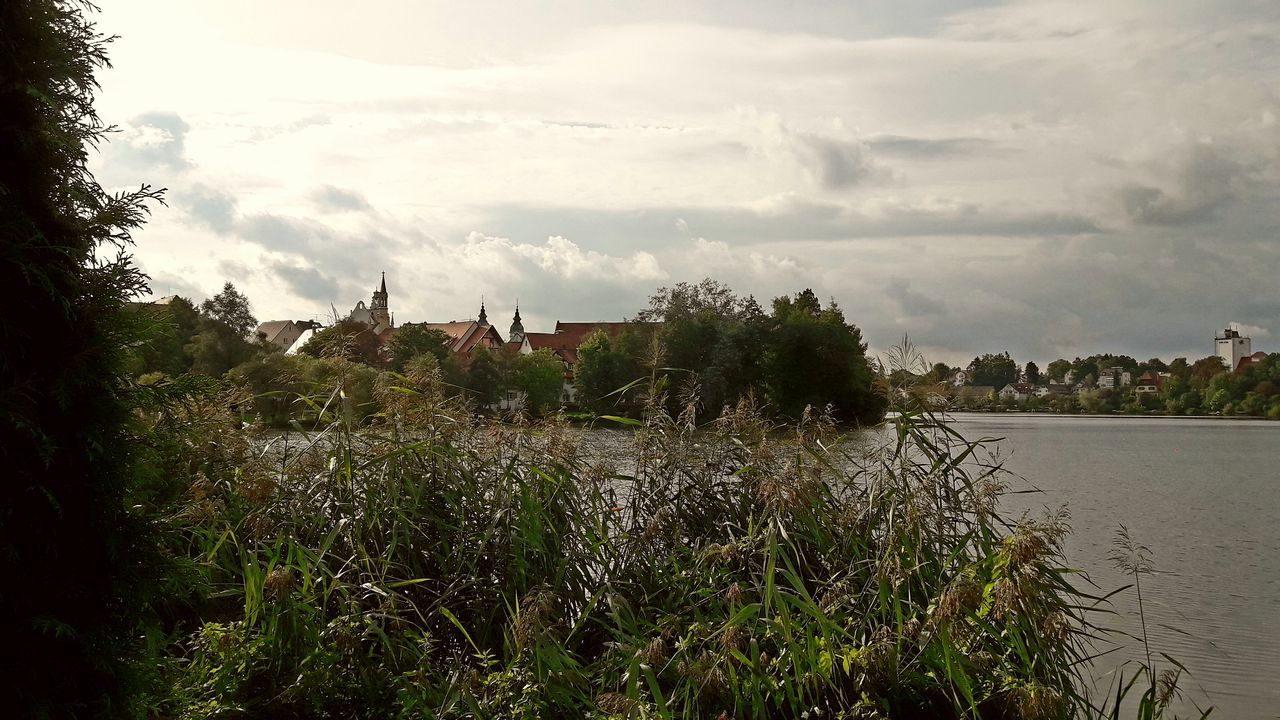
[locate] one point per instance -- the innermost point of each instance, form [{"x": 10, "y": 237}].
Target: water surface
[{"x": 1204, "y": 495}]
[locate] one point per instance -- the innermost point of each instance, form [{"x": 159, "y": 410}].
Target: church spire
[
  {"x": 484, "y": 318},
  {"x": 516, "y": 334},
  {"x": 383, "y": 289}
]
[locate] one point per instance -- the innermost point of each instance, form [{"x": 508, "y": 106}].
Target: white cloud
[{"x": 1034, "y": 175}]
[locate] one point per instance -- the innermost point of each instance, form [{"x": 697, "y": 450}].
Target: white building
[
  {"x": 1230, "y": 347},
  {"x": 1115, "y": 377}
]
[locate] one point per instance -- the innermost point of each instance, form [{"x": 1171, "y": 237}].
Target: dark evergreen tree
[{"x": 70, "y": 553}]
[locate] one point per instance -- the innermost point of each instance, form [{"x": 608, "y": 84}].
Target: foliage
[
  {"x": 996, "y": 370},
  {"x": 74, "y": 603},
  {"x": 540, "y": 376},
  {"x": 815, "y": 359},
  {"x": 449, "y": 568},
  {"x": 413, "y": 339},
  {"x": 1058, "y": 369},
  {"x": 485, "y": 381},
  {"x": 1032, "y": 373},
  {"x": 348, "y": 339},
  {"x": 231, "y": 308},
  {"x": 603, "y": 369},
  {"x": 166, "y": 331},
  {"x": 217, "y": 347}
]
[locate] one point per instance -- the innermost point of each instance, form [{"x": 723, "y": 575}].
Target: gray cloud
[
  {"x": 282, "y": 234},
  {"x": 836, "y": 163},
  {"x": 789, "y": 221},
  {"x": 912, "y": 302},
  {"x": 332, "y": 199},
  {"x": 210, "y": 207},
  {"x": 1202, "y": 182},
  {"x": 155, "y": 139},
  {"x": 307, "y": 282},
  {"x": 917, "y": 148}
]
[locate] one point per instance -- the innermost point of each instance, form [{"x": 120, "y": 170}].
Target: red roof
[
  {"x": 1248, "y": 360},
  {"x": 575, "y": 332},
  {"x": 464, "y": 335}
]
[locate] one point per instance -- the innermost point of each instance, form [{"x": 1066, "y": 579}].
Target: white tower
[{"x": 1231, "y": 346}]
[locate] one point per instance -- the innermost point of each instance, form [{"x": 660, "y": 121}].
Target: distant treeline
[
  {"x": 1204, "y": 386},
  {"x": 699, "y": 345}
]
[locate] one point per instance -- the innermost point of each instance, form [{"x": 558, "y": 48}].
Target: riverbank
[{"x": 466, "y": 568}]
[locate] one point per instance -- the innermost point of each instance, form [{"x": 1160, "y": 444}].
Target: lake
[{"x": 1204, "y": 495}]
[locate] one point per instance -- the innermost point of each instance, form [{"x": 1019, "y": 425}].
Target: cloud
[
  {"x": 153, "y": 140},
  {"x": 787, "y": 218},
  {"x": 834, "y": 162},
  {"x": 209, "y": 207},
  {"x": 560, "y": 257},
  {"x": 283, "y": 234},
  {"x": 307, "y": 282},
  {"x": 917, "y": 148},
  {"x": 331, "y": 199},
  {"x": 1200, "y": 183},
  {"x": 909, "y": 301}
]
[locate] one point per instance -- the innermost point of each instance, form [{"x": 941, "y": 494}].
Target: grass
[{"x": 441, "y": 565}]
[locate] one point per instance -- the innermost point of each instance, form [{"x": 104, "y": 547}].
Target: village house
[
  {"x": 1150, "y": 383},
  {"x": 1016, "y": 391},
  {"x": 284, "y": 334},
  {"x": 1115, "y": 377},
  {"x": 975, "y": 392}
]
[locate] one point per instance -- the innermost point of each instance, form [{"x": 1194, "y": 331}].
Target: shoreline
[{"x": 1116, "y": 416}]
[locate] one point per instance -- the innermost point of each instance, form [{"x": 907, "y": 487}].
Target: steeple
[
  {"x": 379, "y": 308},
  {"x": 516, "y": 335},
  {"x": 484, "y": 318}
]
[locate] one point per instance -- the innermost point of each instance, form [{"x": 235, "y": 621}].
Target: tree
[
  {"x": 603, "y": 368},
  {"x": 414, "y": 339},
  {"x": 940, "y": 372},
  {"x": 540, "y": 376},
  {"x": 1205, "y": 370},
  {"x": 166, "y": 331},
  {"x": 232, "y": 308},
  {"x": 685, "y": 300},
  {"x": 217, "y": 347},
  {"x": 484, "y": 377},
  {"x": 1058, "y": 370},
  {"x": 814, "y": 358},
  {"x": 1086, "y": 371},
  {"x": 1033, "y": 373},
  {"x": 994, "y": 370},
  {"x": 349, "y": 339},
  {"x": 71, "y": 552}
]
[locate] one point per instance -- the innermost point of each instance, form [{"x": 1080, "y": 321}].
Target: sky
[{"x": 1050, "y": 179}]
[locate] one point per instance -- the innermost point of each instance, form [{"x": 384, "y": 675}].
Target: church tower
[
  {"x": 516, "y": 335},
  {"x": 379, "y": 310},
  {"x": 484, "y": 317}
]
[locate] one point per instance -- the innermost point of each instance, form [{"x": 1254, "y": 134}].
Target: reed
[{"x": 438, "y": 565}]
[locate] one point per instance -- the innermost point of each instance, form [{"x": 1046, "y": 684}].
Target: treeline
[
  {"x": 699, "y": 345},
  {"x": 710, "y": 348},
  {"x": 1205, "y": 386},
  {"x": 215, "y": 340}
]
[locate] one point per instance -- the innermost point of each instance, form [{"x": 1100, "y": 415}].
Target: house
[
  {"x": 960, "y": 378},
  {"x": 1115, "y": 377},
  {"x": 564, "y": 343},
  {"x": 284, "y": 334},
  {"x": 1149, "y": 383},
  {"x": 1016, "y": 391},
  {"x": 975, "y": 392},
  {"x": 1250, "y": 360}
]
